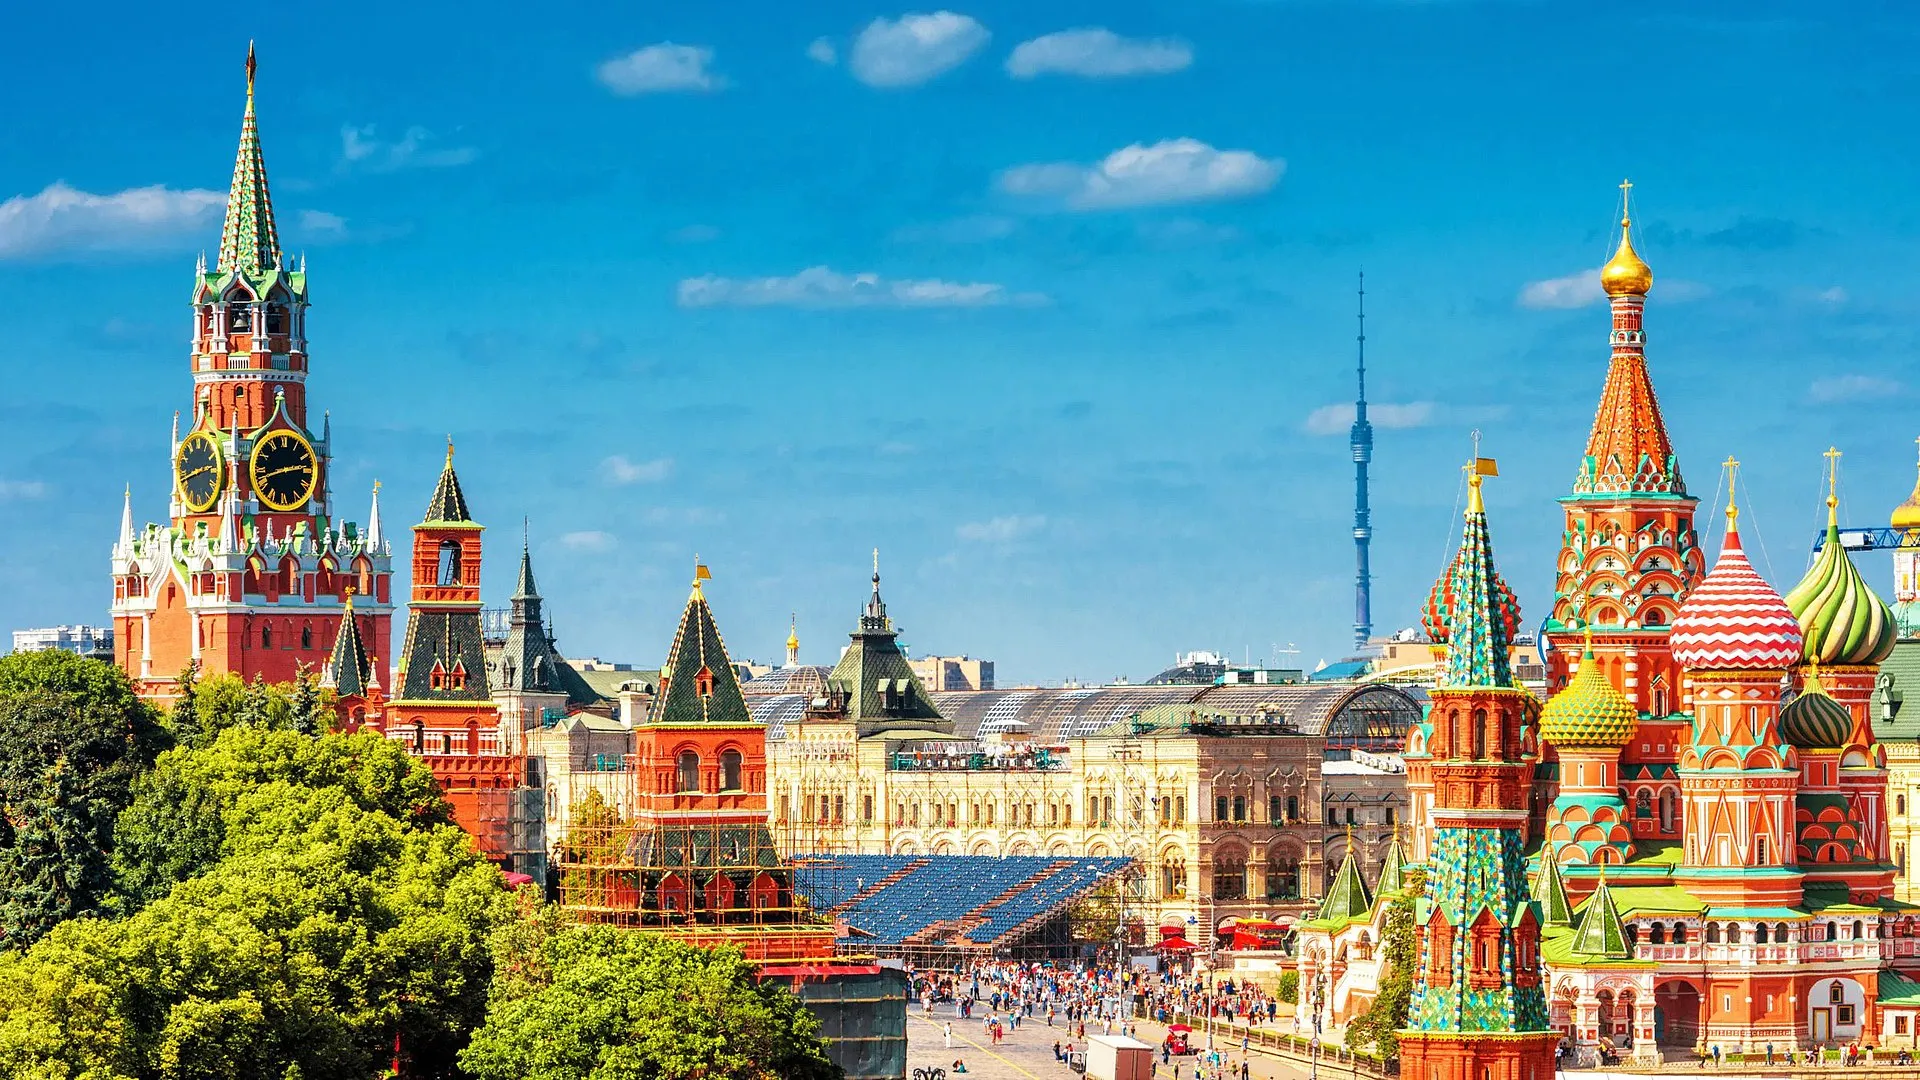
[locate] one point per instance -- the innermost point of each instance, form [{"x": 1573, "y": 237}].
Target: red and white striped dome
[{"x": 1734, "y": 620}]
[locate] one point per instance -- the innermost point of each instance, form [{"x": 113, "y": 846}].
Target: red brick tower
[
  {"x": 1629, "y": 553},
  {"x": 250, "y": 573}
]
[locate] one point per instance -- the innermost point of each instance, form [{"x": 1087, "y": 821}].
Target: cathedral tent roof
[
  {"x": 1550, "y": 891},
  {"x": 698, "y": 683},
  {"x": 449, "y": 503},
  {"x": 1601, "y": 933},
  {"x": 873, "y": 673},
  {"x": 1348, "y": 898},
  {"x": 348, "y": 669}
]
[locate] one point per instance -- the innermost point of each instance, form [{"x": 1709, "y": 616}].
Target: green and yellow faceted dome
[
  {"x": 1842, "y": 621},
  {"x": 1589, "y": 712},
  {"x": 1815, "y": 721}
]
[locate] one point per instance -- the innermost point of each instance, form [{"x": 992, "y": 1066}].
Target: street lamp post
[{"x": 1319, "y": 1003}]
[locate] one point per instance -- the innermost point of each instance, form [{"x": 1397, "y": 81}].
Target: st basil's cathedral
[{"x": 1687, "y": 847}]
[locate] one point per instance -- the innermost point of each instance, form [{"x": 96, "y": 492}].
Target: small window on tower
[
  {"x": 266, "y": 637},
  {"x": 703, "y": 683},
  {"x": 306, "y": 636}
]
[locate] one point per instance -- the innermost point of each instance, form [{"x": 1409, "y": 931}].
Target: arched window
[
  {"x": 1713, "y": 933},
  {"x": 1239, "y": 808},
  {"x": 1679, "y": 933},
  {"x": 1283, "y": 876},
  {"x": 1760, "y": 934},
  {"x": 1733, "y": 933},
  {"x": 1838, "y": 994},
  {"x": 1274, "y": 813},
  {"x": 449, "y": 562},
  {"x": 1657, "y": 934},
  {"x": 1859, "y": 930},
  {"x": 1219, "y": 808},
  {"x": 703, "y": 683},
  {"x": 1479, "y": 734},
  {"x": 266, "y": 637},
  {"x": 730, "y": 771},
  {"x": 1780, "y": 933},
  {"x": 1229, "y": 876},
  {"x": 1669, "y": 807},
  {"x": 1643, "y": 803},
  {"x": 1899, "y": 804},
  {"x": 689, "y": 771},
  {"x": 306, "y": 635},
  {"x": 1293, "y": 807}
]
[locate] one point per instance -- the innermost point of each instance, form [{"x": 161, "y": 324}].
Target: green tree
[
  {"x": 1289, "y": 988},
  {"x": 604, "y": 1003},
  {"x": 184, "y": 718},
  {"x": 73, "y": 739},
  {"x": 193, "y": 803},
  {"x": 323, "y": 931},
  {"x": 1378, "y": 1029}
]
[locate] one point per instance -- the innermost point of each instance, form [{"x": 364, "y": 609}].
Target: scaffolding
[{"x": 711, "y": 881}]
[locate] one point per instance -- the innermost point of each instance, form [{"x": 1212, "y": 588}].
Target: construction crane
[{"x": 1871, "y": 539}]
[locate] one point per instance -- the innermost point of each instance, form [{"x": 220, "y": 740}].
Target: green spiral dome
[
  {"x": 1814, "y": 721},
  {"x": 1841, "y": 619}
]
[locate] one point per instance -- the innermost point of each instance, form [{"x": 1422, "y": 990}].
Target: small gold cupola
[{"x": 1626, "y": 274}]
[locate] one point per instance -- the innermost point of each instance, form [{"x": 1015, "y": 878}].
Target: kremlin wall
[{"x": 1694, "y": 827}]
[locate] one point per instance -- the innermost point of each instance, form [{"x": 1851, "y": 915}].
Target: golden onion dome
[
  {"x": 1589, "y": 712},
  {"x": 1907, "y": 514},
  {"x": 1626, "y": 274}
]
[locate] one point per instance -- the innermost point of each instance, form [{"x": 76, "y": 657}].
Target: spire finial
[
  {"x": 1833, "y": 486},
  {"x": 1626, "y": 274},
  {"x": 1586, "y": 639},
  {"x": 876, "y": 566},
  {"x": 1626, "y": 192},
  {"x": 449, "y": 451},
  {"x": 1478, "y": 469},
  {"x": 1732, "y": 465},
  {"x": 251, "y": 65}
]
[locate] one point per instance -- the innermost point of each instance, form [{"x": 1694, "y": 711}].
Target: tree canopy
[
  {"x": 603, "y": 1003},
  {"x": 73, "y": 740}
]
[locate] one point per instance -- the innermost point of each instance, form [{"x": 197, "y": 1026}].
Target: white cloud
[
  {"x": 1001, "y": 530},
  {"x": 362, "y": 148},
  {"x": 21, "y": 489},
  {"x": 589, "y": 540},
  {"x": 1337, "y": 419},
  {"x": 1572, "y": 291},
  {"x": 1097, "y": 53},
  {"x": 62, "y": 218},
  {"x": 914, "y": 48},
  {"x": 1169, "y": 171},
  {"x": 1852, "y": 388},
  {"x": 822, "y": 51},
  {"x": 823, "y": 287},
  {"x": 659, "y": 69},
  {"x": 321, "y": 223},
  {"x": 618, "y": 469},
  {"x": 1831, "y": 295}
]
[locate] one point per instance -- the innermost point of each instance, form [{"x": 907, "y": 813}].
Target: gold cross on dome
[
  {"x": 1833, "y": 474},
  {"x": 1732, "y": 465},
  {"x": 1626, "y": 191}
]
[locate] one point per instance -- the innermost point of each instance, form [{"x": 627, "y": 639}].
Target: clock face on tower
[
  {"x": 200, "y": 471},
  {"x": 282, "y": 470}
]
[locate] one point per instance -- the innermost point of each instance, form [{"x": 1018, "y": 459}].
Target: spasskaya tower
[{"x": 251, "y": 571}]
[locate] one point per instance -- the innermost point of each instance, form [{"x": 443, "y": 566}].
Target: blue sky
[{"x": 1046, "y": 301}]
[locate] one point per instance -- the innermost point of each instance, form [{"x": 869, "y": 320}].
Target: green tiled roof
[
  {"x": 880, "y": 687},
  {"x": 348, "y": 670},
  {"x": 697, "y": 649},
  {"x": 1897, "y": 989},
  {"x": 1655, "y": 899},
  {"x": 529, "y": 661},
  {"x": 249, "y": 243},
  {"x": 1896, "y": 700},
  {"x": 1550, "y": 891},
  {"x": 1601, "y": 932},
  {"x": 451, "y": 639},
  {"x": 1348, "y": 897}
]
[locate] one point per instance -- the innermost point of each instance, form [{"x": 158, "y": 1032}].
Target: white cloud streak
[
  {"x": 1001, "y": 530},
  {"x": 821, "y": 51},
  {"x": 823, "y": 287},
  {"x": 66, "y": 219},
  {"x": 588, "y": 540},
  {"x": 664, "y": 68},
  {"x": 619, "y": 469},
  {"x": 913, "y": 49},
  {"x": 1571, "y": 291},
  {"x": 1097, "y": 53},
  {"x": 1169, "y": 171},
  {"x": 362, "y": 148},
  {"x": 1839, "y": 388},
  {"x": 1337, "y": 419}
]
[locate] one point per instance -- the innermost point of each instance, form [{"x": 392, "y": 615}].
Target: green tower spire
[
  {"x": 1601, "y": 933},
  {"x": 1348, "y": 896},
  {"x": 249, "y": 244},
  {"x": 1393, "y": 870},
  {"x": 1550, "y": 891},
  {"x": 698, "y": 684}
]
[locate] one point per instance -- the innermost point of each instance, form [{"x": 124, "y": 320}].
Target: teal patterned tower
[{"x": 1479, "y": 1009}]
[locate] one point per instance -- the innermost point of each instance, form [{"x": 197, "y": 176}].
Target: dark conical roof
[
  {"x": 1348, "y": 897},
  {"x": 1550, "y": 891},
  {"x": 529, "y": 661},
  {"x": 1601, "y": 933},
  {"x": 698, "y": 684},
  {"x": 449, "y": 503},
  {"x": 880, "y": 686},
  {"x": 348, "y": 669}
]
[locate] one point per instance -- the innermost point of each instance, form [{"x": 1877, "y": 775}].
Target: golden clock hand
[
  {"x": 284, "y": 471},
  {"x": 202, "y": 469}
]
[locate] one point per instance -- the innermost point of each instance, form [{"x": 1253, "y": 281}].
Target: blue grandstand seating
[{"x": 933, "y": 894}]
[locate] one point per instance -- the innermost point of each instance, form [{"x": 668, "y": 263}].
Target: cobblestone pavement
[{"x": 1027, "y": 1054}]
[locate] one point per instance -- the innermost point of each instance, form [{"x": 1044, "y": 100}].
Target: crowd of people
[{"x": 1003, "y": 996}]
